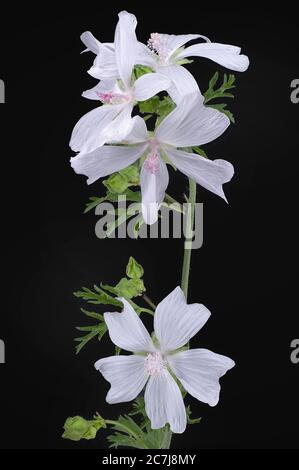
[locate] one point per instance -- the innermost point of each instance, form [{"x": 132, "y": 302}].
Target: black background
[{"x": 246, "y": 271}]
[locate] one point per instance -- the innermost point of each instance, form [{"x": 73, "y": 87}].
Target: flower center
[
  {"x": 152, "y": 162},
  {"x": 158, "y": 45},
  {"x": 109, "y": 97},
  {"x": 154, "y": 363}
]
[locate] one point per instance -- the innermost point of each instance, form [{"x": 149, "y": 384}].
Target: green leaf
[
  {"x": 221, "y": 92},
  {"x": 200, "y": 151},
  {"x": 149, "y": 106},
  {"x": 105, "y": 294},
  {"x": 165, "y": 107},
  {"x": 213, "y": 81},
  {"x": 140, "y": 70},
  {"x": 130, "y": 434},
  {"x": 97, "y": 316},
  {"x": 94, "y": 330},
  {"x": 131, "y": 196},
  {"x": 94, "y": 202},
  {"x": 139, "y": 410},
  {"x": 97, "y": 297},
  {"x": 127, "y": 434},
  {"x": 213, "y": 93},
  {"x": 134, "y": 270},
  {"x": 189, "y": 419},
  {"x": 109, "y": 288}
]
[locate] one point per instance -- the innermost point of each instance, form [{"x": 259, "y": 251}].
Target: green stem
[
  {"x": 186, "y": 265},
  {"x": 188, "y": 237}
]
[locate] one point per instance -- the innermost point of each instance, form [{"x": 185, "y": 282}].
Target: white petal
[
  {"x": 176, "y": 322},
  {"x": 126, "y": 374},
  {"x": 183, "y": 82},
  {"x": 104, "y": 66},
  {"x": 127, "y": 331},
  {"x": 192, "y": 123},
  {"x": 153, "y": 185},
  {"x": 90, "y": 42},
  {"x": 120, "y": 126},
  {"x": 88, "y": 133},
  {"x": 139, "y": 132},
  {"x": 224, "y": 54},
  {"x": 210, "y": 174},
  {"x": 126, "y": 46},
  {"x": 171, "y": 42},
  {"x": 102, "y": 87},
  {"x": 145, "y": 56},
  {"x": 199, "y": 371},
  {"x": 105, "y": 160},
  {"x": 164, "y": 403},
  {"x": 149, "y": 85}
]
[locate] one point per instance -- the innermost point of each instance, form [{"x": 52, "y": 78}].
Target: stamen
[
  {"x": 106, "y": 98},
  {"x": 152, "y": 162},
  {"x": 109, "y": 97},
  {"x": 155, "y": 364},
  {"x": 157, "y": 44}
]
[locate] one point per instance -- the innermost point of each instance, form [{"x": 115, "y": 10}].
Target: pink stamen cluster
[
  {"x": 114, "y": 98},
  {"x": 156, "y": 43},
  {"x": 152, "y": 162},
  {"x": 106, "y": 98},
  {"x": 154, "y": 363}
]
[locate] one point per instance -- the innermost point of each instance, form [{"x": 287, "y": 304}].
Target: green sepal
[{"x": 77, "y": 428}]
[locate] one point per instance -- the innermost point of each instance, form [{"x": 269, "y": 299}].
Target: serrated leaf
[
  {"x": 222, "y": 92},
  {"x": 94, "y": 202},
  {"x": 131, "y": 196},
  {"x": 98, "y": 297},
  {"x": 97, "y": 316},
  {"x": 189, "y": 419}
]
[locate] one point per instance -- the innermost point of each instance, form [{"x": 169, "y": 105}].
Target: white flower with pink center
[
  {"x": 117, "y": 90},
  {"x": 159, "y": 364},
  {"x": 190, "y": 124},
  {"x": 166, "y": 54}
]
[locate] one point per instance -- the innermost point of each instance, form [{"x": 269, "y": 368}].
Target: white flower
[
  {"x": 112, "y": 121},
  {"x": 166, "y": 55},
  {"x": 154, "y": 363},
  {"x": 190, "y": 124}
]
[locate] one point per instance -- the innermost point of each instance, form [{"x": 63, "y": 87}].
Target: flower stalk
[{"x": 188, "y": 237}]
